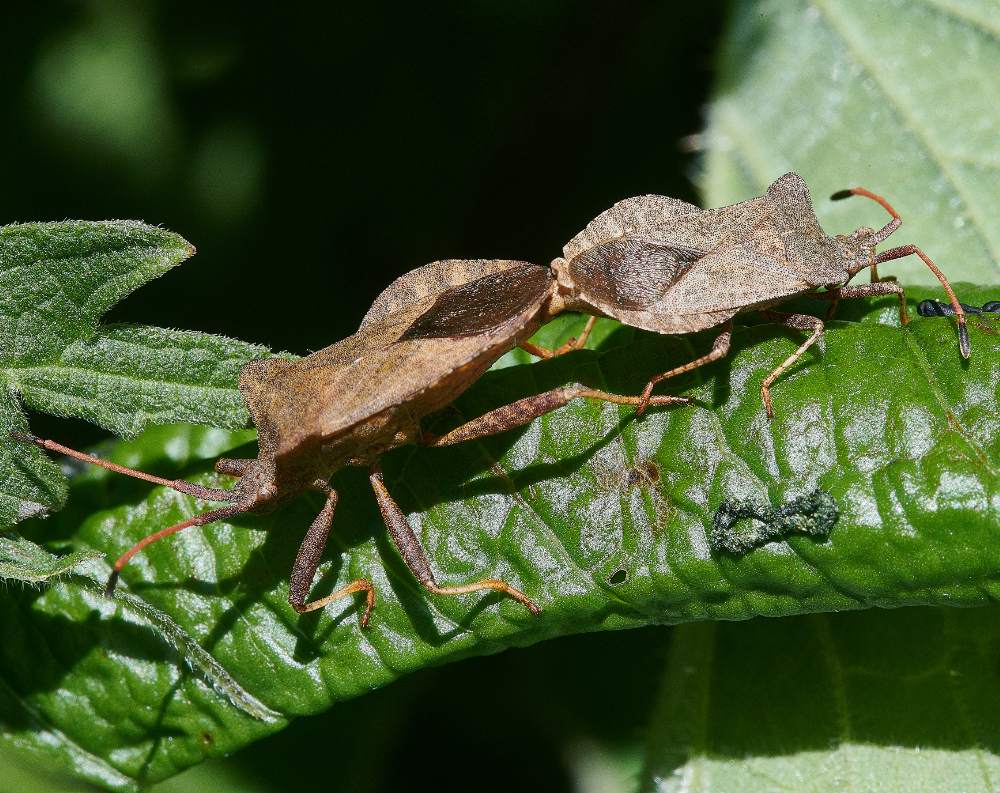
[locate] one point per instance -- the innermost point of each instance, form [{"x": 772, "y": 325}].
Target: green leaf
[
  {"x": 869, "y": 701},
  {"x": 900, "y": 99},
  {"x": 56, "y": 280},
  {"x": 24, "y": 561},
  {"x": 601, "y": 517}
]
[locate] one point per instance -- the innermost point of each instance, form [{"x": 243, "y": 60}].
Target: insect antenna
[
  {"x": 905, "y": 250},
  {"x": 198, "y": 520},
  {"x": 180, "y": 485},
  {"x": 879, "y": 236}
]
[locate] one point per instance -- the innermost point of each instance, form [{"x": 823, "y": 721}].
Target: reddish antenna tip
[{"x": 841, "y": 194}]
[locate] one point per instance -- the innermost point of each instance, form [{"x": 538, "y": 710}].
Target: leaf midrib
[{"x": 911, "y": 119}]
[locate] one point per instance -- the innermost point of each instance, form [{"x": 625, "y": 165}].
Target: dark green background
[{"x": 314, "y": 152}]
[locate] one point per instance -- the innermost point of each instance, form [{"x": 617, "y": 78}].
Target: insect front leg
[
  {"x": 572, "y": 344},
  {"x": 876, "y": 289},
  {"x": 798, "y": 322},
  {"x": 308, "y": 560},
  {"x": 881, "y": 279},
  {"x": 720, "y": 348},
  {"x": 413, "y": 553}
]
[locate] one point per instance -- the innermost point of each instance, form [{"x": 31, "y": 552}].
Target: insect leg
[
  {"x": 883, "y": 279},
  {"x": 906, "y": 250},
  {"x": 413, "y": 553},
  {"x": 524, "y": 410},
  {"x": 798, "y": 322},
  {"x": 307, "y": 561},
  {"x": 875, "y": 289},
  {"x": 720, "y": 347},
  {"x": 180, "y": 485},
  {"x": 572, "y": 344},
  {"x": 233, "y": 467}
]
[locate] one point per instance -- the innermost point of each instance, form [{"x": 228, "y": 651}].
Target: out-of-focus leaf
[
  {"x": 854, "y": 703},
  {"x": 899, "y": 98}
]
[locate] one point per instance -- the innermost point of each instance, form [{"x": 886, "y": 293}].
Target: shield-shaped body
[
  {"x": 665, "y": 265},
  {"x": 428, "y": 337}
]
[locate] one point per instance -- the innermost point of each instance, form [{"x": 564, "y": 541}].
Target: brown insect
[
  {"x": 426, "y": 339},
  {"x": 665, "y": 265}
]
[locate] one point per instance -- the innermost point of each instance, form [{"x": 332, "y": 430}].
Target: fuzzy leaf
[
  {"x": 898, "y": 98},
  {"x": 56, "y": 280}
]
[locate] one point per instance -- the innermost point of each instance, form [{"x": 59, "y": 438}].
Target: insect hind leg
[{"x": 413, "y": 553}]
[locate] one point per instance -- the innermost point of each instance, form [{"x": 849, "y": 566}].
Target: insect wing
[
  {"x": 483, "y": 305},
  {"x": 422, "y": 355},
  {"x": 630, "y": 273},
  {"x": 639, "y": 216},
  {"x": 433, "y": 279}
]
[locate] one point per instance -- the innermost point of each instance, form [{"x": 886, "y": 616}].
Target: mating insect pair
[{"x": 652, "y": 262}]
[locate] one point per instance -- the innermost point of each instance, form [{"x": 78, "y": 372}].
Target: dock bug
[
  {"x": 665, "y": 265},
  {"x": 428, "y": 337}
]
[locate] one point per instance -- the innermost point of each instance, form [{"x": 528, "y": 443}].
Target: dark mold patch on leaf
[
  {"x": 644, "y": 473},
  {"x": 814, "y": 514}
]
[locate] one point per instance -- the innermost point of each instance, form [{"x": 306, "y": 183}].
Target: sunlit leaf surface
[
  {"x": 600, "y": 517},
  {"x": 868, "y": 701}
]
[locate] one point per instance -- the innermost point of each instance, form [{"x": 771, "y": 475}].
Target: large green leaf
[
  {"x": 870, "y": 701},
  {"x": 600, "y": 517},
  {"x": 900, "y": 98}
]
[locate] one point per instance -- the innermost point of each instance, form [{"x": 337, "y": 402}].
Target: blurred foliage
[{"x": 314, "y": 153}]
